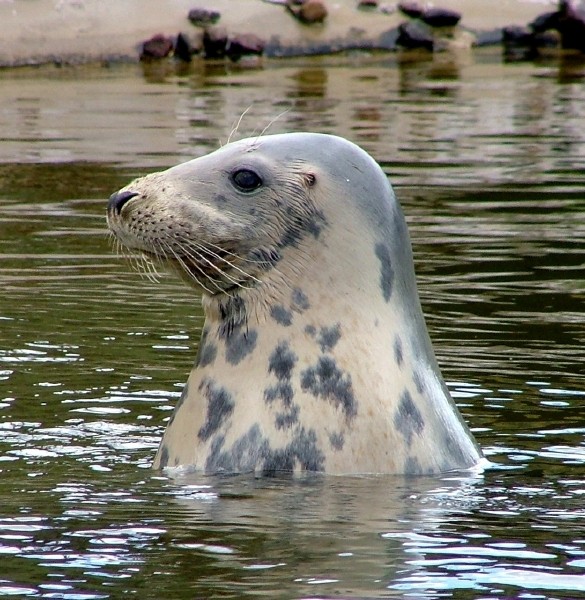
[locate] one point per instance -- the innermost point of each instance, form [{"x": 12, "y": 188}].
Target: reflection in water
[{"x": 488, "y": 162}]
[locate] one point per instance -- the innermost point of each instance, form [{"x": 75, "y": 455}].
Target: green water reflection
[{"x": 488, "y": 161}]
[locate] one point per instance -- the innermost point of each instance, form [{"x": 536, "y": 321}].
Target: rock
[
  {"x": 411, "y": 9},
  {"x": 387, "y": 9},
  {"x": 367, "y": 4},
  {"x": 544, "y": 22},
  {"x": 567, "y": 21},
  {"x": 245, "y": 44},
  {"x": 158, "y": 46},
  {"x": 215, "y": 41},
  {"x": 489, "y": 37},
  {"x": 186, "y": 45},
  {"x": 411, "y": 36},
  {"x": 518, "y": 36},
  {"x": 521, "y": 43},
  {"x": 460, "y": 41},
  {"x": 309, "y": 12},
  {"x": 440, "y": 17},
  {"x": 202, "y": 17}
]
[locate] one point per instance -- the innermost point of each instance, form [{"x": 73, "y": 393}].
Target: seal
[{"x": 314, "y": 355}]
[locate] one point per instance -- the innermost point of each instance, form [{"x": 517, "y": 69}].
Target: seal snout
[{"x": 118, "y": 200}]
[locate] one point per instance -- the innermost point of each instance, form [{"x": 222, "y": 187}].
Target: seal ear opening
[{"x": 310, "y": 179}]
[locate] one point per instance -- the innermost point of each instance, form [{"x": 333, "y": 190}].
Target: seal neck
[{"x": 230, "y": 312}]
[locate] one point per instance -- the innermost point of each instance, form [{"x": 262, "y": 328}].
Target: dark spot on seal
[
  {"x": 207, "y": 351},
  {"x": 281, "y": 315},
  {"x": 455, "y": 451},
  {"x": 291, "y": 236},
  {"x": 337, "y": 440},
  {"x": 180, "y": 401},
  {"x": 220, "y": 405},
  {"x": 164, "y": 456},
  {"x": 301, "y": 224},
  {"x": 400, "y": 227},
  {"x": 412, "y": 466},
  {"x": 281, "y": 391},
  {"x": 278, "y": 461},
  {"x": 207, "y": 354},
  {"x": 285, "y": 420},
  {"x": 244, "y": 455},
  {"x": 328, "y": 337},
  {"x": 214, "y": 460},
  {"x": 326, "y": 381},
  {"x": 408, "y": 419},
  {"x": 398, "y": 356},
  {"x": 282, "y": 361},
  {"x": 265, "y": 258},
  {"x": 299, "y": 300},
  {"x": 307, "y": 451},
  {"x": 310, "y": 330},
  {"x": 220, "y": 199},
  {"x": 386, "y": 270},
  {"x": 239, "y": 345},
  {"x": 233, "y": 315},
  {"x": 418, "y": 382},
  {"x": 315, "y": 225},
  {"x": 303, "y": 449},
  {"x": 184, "y": 395},
  {"x": 253, "y": 451}
]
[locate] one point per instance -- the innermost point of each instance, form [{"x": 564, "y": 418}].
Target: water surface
[{"x": 488, "y": 160}]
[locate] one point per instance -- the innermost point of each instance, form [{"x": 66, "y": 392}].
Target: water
[{"x": 488, "y": 160}]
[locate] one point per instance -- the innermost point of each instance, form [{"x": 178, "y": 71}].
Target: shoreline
[{"x": 90, "y": 31}]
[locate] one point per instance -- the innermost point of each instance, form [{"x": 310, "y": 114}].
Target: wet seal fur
[{"x": 315, "y": 355}]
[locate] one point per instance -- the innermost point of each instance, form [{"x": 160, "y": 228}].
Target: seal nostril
[{"x": 119, "y": 199}]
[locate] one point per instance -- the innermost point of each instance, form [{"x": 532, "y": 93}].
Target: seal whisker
[
  {"x": 119, "y": 247},
  {"x": 204, "y": 249},
  {"x": 135, "y": 261},
  {"x": 150, "y": 270},
  {"x": 130, "y": 259},
  {"x": 193, "y": 261},
  {"x": 228, "y": 253},
  {"x": 270, "y": 124},
  {"x": 181, "y": 262},
  {"x": 139, "y": 263},
  {"x": 147, "y": 269},
  {"x": 237, "y": 124},
  {"x": 185, "y": 266},
  {"x": 191, "y": 247}
]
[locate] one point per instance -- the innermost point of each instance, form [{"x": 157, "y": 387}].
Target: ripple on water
[{"x": 487, "y": 160}]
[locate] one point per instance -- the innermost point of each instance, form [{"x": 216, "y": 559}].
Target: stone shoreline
[{"x": 82, "y": 31}]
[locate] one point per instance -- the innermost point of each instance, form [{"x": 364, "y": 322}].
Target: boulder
[
  {"x": 203, "y": 17},
  {"x": 215, "y": 40},
  {"x": 158, "y": 46}
]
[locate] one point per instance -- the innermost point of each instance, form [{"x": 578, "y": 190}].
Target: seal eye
[{"x": 246, "y": 180}]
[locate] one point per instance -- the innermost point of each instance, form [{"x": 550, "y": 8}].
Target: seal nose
[{"x": 118, "y": 200}]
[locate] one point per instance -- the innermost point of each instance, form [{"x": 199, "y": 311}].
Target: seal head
[{"x": 314, "y": 355}]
